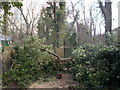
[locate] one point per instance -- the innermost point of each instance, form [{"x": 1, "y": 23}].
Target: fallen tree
[
  {"x": 118, "y": 45},
  {"x": 58, "y": 58}
]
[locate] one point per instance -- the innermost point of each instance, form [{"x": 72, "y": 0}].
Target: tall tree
[
  {"x": 107, "y": 13},
  {"x": 118, "y": 23},
  {"x": 23, "y": 22},
  {"x": 45, "y": 24},
  {"x": 6, "y": 7},
  {"x": 54, "y": 14},
  {"x": 30, "y": 16}
]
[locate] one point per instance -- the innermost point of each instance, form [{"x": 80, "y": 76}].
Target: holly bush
[
  {"x": 99, "y": 67},
  {"x": 29, "y": 62}
]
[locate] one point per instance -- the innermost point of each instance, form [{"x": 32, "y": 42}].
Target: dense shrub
[
  {"x": 100, "y": 67},
  {"x": 112, "y": 37},
  {"x": 79, "y": 53},
  {"x": 29, "y": 63}
]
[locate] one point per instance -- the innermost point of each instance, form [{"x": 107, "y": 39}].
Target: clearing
[{"x": 65, "y": 82}]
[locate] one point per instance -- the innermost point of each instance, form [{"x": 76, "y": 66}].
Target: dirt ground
[{"x": 52, "y": 82}]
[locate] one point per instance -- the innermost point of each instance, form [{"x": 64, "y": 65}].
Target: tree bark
[{"x": 108, "y": 18}]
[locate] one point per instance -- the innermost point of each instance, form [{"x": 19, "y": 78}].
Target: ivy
[{"x": 97, "y": 66}]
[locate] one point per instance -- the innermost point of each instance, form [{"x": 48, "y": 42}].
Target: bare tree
[
  {"x": 74, "y": 13},
  {"x": 16, "y": 27},
  {"x": 85, "y": 24},
  {"x": 30, "y": 17},
  {"x": 94, "y": 21},
  {"x": 23, "y": 22}
]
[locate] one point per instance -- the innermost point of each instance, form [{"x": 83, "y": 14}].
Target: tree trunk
[
  {"x": 108, "y": 19},
  {"x": 47, "y": 35},
  {"x": 56, "y": 30},
  {"x": 119, "y": 36},
  {"x": 107, "y": 13},
  {"x": 5, "y": 18}
]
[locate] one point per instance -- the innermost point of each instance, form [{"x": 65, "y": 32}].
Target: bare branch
[{"x": 102, "y": 8}]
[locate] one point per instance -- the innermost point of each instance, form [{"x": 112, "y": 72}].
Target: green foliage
[
  {"x": 72, "y": 39},
  {"x": 29, "y": 63},
  {"x": 51, "y": 24},
  {"x": 17, "y": 4},
  {"x": 113, "y": 37},
  {"x": 99, "y": 67},
  {"x": 79, "y": 53},
  {"x": 6, "y": 6},
  {"x": 70, "y": 42}
]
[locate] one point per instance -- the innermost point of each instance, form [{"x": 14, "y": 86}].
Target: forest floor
[{"x": 65, "y": 82}]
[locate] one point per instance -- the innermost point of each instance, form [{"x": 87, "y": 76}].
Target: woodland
[{"x": 57, "y": 45}]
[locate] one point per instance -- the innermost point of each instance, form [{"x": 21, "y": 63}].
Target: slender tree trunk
[
  {"x": 47, "y": 35},
  {"x": 119, "y": 35},
  {"x": 91, "y": 23}
]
